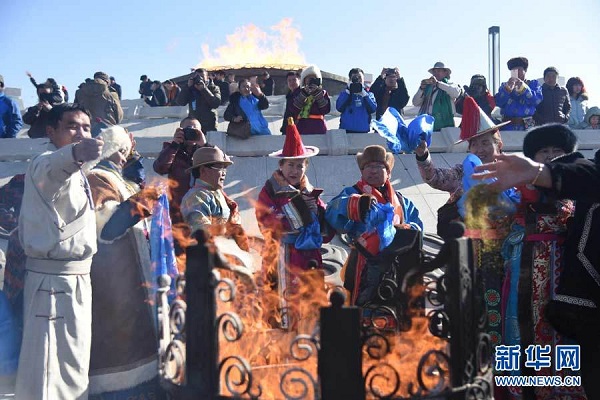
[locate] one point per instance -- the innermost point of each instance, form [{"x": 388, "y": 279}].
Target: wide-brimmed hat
[
  {"x": 209, "y": 155},
  {"x": 293, "y": 146},
  {"x": 440, "y": 65},
  {"x": 551, "y": 135},
  {"x": 375, "y": 153},
  {"x": 475, "y": 122}
]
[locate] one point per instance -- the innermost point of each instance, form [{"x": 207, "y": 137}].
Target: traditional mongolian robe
[
  {"x": 57, "y": 228},
  {"x": 531, "y": 281},
  {"x": 124, "y": 338},
  {"x": 292, "y": 221},
  {"x": 342, "y": 213}
]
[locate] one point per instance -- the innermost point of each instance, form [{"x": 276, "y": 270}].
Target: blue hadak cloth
[
  {"x": 419, "y": 129},
  {"x": 392, "y": 127},
  {"x": 9, "y": 339},
  {"x": 509, "y": 198},
  {"x": 381, "y": 218},
  {"x": 310, "y": 236},
  {"x": 162, "y": 250}
]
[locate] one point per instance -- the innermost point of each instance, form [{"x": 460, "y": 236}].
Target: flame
[
  {"x": 250, "y": 44},
  {"x": 266, "y": 347}
]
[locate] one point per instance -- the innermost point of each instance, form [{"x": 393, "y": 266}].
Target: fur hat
[
  {"x": 102, "y": 76},
  {"x": 115, "y": 138},
  {"x": 375, "y": 153},
  {"x": 554, "y": 135},
  {"x": 518, "y": 62},
  {"x": 310, "y": 70},
  {"x": 209, "y": 155},
  {"x": 478, "y": 79}
]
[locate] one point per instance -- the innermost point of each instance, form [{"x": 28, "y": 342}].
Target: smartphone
[{"x": 514, "y": 73}]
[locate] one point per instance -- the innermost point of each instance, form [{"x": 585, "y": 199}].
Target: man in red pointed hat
[
  {"x": 290, "y": 216},
  {"x": 351, "y": 212},
  {"x": 484, "y": 141}
]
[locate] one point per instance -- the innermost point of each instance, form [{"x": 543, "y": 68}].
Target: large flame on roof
[{"x": 250, "y": 45}]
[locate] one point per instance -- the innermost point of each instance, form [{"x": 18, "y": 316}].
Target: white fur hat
[
  {"x": 310, "y": 70},
  {"x": 115, "y": 138}
]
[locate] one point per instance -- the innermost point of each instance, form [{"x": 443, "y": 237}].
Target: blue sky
[{"x": 70, "y": 41}]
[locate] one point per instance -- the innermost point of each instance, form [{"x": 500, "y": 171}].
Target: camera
[
  {"x": 355, "y": 87},
  {"x": 190, "y": 133},
  {"x": 198, "y": 80},
  {"x": 314, "y": 81}
]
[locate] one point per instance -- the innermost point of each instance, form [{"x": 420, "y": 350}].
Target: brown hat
[
  {"x": 209, "y": 155},
  {"x": 375, "y": 153}
]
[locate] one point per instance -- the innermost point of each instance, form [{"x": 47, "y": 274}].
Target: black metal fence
[{"x": 339, "y": 358}]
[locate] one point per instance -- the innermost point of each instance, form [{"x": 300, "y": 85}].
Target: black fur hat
[
  {"x": 555, "y": 135},
  {"x": 518, "y": 62}
]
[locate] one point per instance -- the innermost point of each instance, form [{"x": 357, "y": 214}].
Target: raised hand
[{"x": 88, "y": 149}]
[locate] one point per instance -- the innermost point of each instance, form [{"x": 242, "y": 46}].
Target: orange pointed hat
[
  {"x": 293, "y": 146},
  {"x": 475, "y": 122}
]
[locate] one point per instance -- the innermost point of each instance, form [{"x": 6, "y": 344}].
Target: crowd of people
[
  {"x": 79, "y": 256},
  {"x": 523, "y": 102}
]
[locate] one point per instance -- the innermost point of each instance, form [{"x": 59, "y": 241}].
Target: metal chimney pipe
[{"x": 494, "y": 58}]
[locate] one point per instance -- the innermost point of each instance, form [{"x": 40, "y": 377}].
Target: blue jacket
[
  {"x": 337, "y": 214},
  {"x": 517, "y": 104},
  {"x": 249, "y": 108},
  {"x": 10, "y": 121},
  {"x": 356, "y": 110}
]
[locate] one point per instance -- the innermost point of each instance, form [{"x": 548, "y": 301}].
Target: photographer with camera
[
  {"x": 311, "y": 103},
  {"x": 203, "y": 98},
  {"x": 436, "y": 96},
  {"x": 176, "y": 157},
  {"x": 356, "y": 104},
  {"x": 390, "y": 91}
]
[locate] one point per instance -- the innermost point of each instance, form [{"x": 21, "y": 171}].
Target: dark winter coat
[{"x": 202, "y": 104}]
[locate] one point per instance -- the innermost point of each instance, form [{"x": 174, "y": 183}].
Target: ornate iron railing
[{"x": 340, "y": 358}]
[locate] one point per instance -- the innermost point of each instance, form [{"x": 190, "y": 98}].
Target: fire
[
  {"x": 249, "y": 44},
  {"x": 252, "y": 342}
]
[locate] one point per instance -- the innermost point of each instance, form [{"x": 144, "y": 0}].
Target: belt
[{"x": 314, "y": 116}]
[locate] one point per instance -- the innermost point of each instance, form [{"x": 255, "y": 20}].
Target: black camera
[
  {"x": 198, "y": 80},
  {"x": 314, "y": 81},
  {"x": 355, "y": 87},
  {"x": 190, "y": 133}
]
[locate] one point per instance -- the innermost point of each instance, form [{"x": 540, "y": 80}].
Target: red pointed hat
[
  {"x": 475, "y": 122},
  {"x": 293, "y": 146}
]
